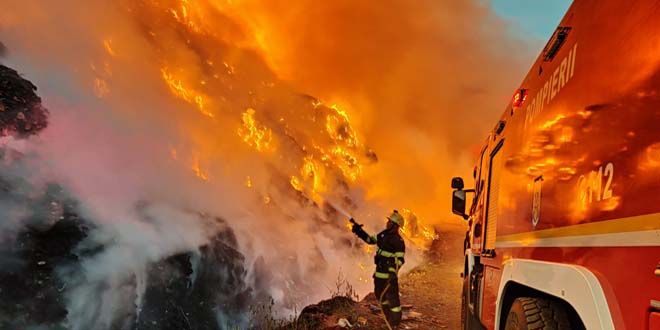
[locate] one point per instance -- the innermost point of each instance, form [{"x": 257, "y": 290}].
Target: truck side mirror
[
  {"x": 458, "y": 203},
  {"x": 457, "y": 183}
]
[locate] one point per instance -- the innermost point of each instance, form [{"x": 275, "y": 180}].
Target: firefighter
[{"x": 389, "y": 259}]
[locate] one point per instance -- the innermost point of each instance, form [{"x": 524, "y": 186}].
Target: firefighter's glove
[{"x": 356, "y": 228}]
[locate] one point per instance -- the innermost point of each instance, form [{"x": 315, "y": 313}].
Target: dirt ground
[
  {"x": 430, "y": 295},
  {"x": 434, "y": 288}
]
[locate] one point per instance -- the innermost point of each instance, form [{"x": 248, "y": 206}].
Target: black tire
[
  {"x": 537, "y": 314},
  {"x": 464, "y": 304}
]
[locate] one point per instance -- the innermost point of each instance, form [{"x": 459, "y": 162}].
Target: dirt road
[{"x": 434, "y": 288}]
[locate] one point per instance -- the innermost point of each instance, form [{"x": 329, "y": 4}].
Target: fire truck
[{"x": 564, "y": 214}]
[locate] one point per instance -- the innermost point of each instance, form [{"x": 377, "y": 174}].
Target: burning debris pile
[{"x": 50, "y": 252}]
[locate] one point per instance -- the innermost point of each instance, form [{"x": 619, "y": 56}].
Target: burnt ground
[{"x": 430, "y": 295}]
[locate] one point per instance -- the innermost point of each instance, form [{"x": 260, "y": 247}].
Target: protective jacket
[{"x": 390, "y": 253}]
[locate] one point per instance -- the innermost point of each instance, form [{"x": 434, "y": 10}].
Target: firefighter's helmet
[{"x": 397, "y": 218}]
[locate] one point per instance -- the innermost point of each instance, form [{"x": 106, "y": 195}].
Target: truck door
[
  {"x": 484, "y": 231},
  {"x": 489, "y": 272},
  {"x": 490, "y": 230}
]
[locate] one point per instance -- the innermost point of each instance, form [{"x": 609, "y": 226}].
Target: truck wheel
[
  {"x": 536, "y": 314},
  {"x": 464, "y": 306}
]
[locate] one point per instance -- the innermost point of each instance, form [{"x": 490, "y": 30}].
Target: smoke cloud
[{"x": 275, "y": 117}]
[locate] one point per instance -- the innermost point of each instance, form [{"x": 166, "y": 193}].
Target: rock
[{"x": 344, "y": 323}]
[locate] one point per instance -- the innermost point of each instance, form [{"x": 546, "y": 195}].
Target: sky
[{"x": 535, "y": 19}]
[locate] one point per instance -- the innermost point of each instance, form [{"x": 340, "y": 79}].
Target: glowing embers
[
  {"x": 187, "y": 94},
  {"x": 101, "y": 89},
  {"x": 339, "y": 127},
  {"x": 107, "y": 44},
  {"x": 254, "y": 134},
  {"x": 343, "y": 154},
  {"x": 200, "y": 173},
  {"x": 313, "y": 172},
  {"x": 311, "y": 179},
  {"x": 193, "y": 160},
  {"x": 103, "y": 73},
  {"x": 295, "y": 183},
  {"x": 347, "y": 163},
  {"x": 183, "y": 15}
]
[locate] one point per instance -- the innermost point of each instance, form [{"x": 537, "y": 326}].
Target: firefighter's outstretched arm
[{"x": 357, "y": 230}]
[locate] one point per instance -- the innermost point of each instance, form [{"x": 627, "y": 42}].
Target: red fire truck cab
[{"x": 564, "y": 223}]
